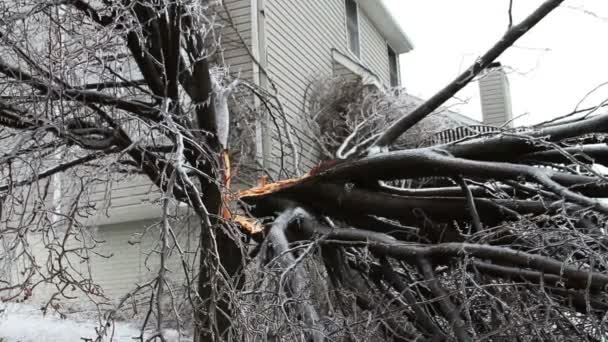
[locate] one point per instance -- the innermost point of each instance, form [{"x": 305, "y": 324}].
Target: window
[
  {"x": 393, "y": 65},
  {"x": 352, "y": 26}
]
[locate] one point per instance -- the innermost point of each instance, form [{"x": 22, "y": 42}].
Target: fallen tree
[{"x": 513, "y": 249}]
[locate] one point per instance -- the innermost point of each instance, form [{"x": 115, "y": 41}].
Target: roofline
[
  {"x": 452, "y": 115},
  {"x": 386, "y": 23},
  {"x": 367, "y": 76}
]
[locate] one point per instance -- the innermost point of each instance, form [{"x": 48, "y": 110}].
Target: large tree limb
[
  {"x": 442, "y": 253},
  {"x": 335, "y": 200},
  {"x": 511, "y": 147},
  {"x": 293, "y": 278},
  {"x": 510, "y": 37},
  {"x": 424, "y": 163},
  {"x": 447, "y": 308},
  {"x": 83, "y": 96}
]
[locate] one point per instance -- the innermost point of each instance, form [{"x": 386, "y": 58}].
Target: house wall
[
  {"x": 125, "y": 256},
  {"x": 130, "y": 204},
  {"x": 235, "y": 18},
  {"x": 117, "y": 198},
  {"x": 134, "y": 249},
  {"x": 299, "y": 39},
  {"x": 374, "y": 49}
]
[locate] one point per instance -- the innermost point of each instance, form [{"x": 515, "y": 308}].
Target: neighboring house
[
  {"x": 438, "y": 127},
  {"x": 495, "y": 96}
]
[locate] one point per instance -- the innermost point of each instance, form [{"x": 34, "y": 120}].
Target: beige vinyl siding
[
  {"x": 345, "y": 73},
  {"x": 236, "y": 37},
  {"x": 129, "y": 255},
  {"x": 125, "y": 255},
  {"x": 126, "y": 198},
  {"x": 374, "y": 51},
  {"x": 300, "y": 36}
]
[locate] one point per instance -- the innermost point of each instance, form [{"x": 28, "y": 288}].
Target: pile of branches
[
  {"x": 347, "y": 115},
  {"x": 514, "y": 249},
  {"x": 511, "y": 250}
]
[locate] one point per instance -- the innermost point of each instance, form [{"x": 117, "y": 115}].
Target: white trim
[
  {"x": 399, "y": 69},
  {"x": 359, "y": 40},
  {"x": 255, "y": 44},
  {"x": 385, "y": 22},
  {"x": 258, "y": 46},
  {"x": 255, "y": 53}
]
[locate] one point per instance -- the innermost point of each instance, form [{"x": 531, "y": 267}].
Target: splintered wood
[
  {"x": 252, "y": 226},
  {"x": 265, "y": 188},
  {"x": 249, "y": 225}
]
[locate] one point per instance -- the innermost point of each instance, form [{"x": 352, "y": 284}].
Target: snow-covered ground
[{"x": 25, "y": 323}]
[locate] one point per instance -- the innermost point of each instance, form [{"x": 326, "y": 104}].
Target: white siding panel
[
  {"x": 300, "y": 37},
  {"x": 129, "y": 255},
  {"x": 236, "y": 37},
  {"x": 374, "y": 52}
]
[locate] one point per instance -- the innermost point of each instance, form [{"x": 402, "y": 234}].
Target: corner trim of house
[
  {"x": 258, "y": 50},
  {"x": 368, "y": 77},
  {"x": 255, "y": 43}
]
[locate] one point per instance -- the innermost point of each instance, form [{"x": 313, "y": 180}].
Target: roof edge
[{"x": 387, "y": 24}]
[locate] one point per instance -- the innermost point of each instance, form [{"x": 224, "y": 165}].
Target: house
[
  {"x": 290, "y": 43},
  {"x": 279, "y": 46}
]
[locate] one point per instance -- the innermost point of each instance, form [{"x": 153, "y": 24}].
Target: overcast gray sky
[{"x": 553, "y": 67}]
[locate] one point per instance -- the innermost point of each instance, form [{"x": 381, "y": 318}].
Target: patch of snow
[
  {"x": 25, "y": 323},
  {"x": 374, "y": 150}
]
